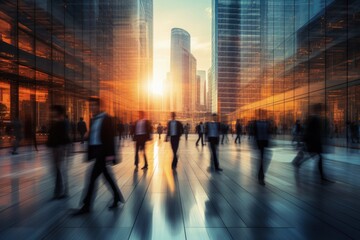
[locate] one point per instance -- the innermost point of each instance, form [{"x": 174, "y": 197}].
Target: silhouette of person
[
  {"x": 101, "y": 147},
  {"x": 200, "y": 130},
  {"x": 174, "y": 131},
  {"x": 17, "y": 128},
  {"x": 82, "y": 129},
  {"x": 262, "y": 132},
  {"x": 238, "y": 129},
  {"x": 224, "y": 132},
  {"x": 30, "y": 131},
  {"x": 213, "y": 136},
  {"x": 160, "y": 130},
  {"x": 57, "y": 140},
  {"x": 314, "y": 137},
  {"x": 186, "y": 130},
  {"x": 142, "y": 131}
]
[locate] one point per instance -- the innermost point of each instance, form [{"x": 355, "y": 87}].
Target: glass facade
[
  {"x": 300, "y": 52},
  {"x": 62, "y": 52}
]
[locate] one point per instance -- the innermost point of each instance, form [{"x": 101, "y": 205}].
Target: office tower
[
  {"x": 182, "y": 72},
  {"x": 202, "y": 90}
]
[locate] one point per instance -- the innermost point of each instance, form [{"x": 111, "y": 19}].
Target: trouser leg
[{"x": 97, "y": 169}]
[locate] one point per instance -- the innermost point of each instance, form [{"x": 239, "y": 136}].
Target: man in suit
[
  {"x": 142, "y": 133},
  {"x": 200, "y": 129},
  {"x": 101, "y": 147},
  {"x": 262, "y": 135},
  {"x": 213, "y": 136},
  {"x": 174, "y": 131},
  {"x": 238, "y": 129},
  {"x": 82, "y": 129}
]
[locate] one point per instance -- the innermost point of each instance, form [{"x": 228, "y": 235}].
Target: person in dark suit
[
  {"x": 174, "y": 131},
  {"x": 213, "y": 135},
  {"x": 101, "y": 148},
  {"x": 82, "y": 129},
  {"x": 262, "y": 135},
  {"x": 142, "y": 134},
  {"x": 238, "y": 130},
  {"x": 57, "y": 141},
  {"x": 200, "y": 130}
]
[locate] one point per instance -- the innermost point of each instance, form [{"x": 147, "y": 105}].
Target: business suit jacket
[
  {"x": 179, "y": 129},
  {"x": 107, "y": 135},
  {"x": 148, "y": 130}
]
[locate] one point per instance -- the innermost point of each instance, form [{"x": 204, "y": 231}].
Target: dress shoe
[
  {"x": 144, "y": 167},
  {"x": 219, "y": 169}
]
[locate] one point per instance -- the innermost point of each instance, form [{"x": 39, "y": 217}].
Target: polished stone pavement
[{"x": 192, "y": 203}]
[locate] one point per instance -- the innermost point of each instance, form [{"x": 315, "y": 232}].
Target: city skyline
[{"x": 176, "y": 14}]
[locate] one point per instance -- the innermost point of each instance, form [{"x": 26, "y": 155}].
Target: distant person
[
  {"x": 141, "y": 136},
  {"x": 82, "y": 129},
  {"x": 186, "y": 130},
  {"x": 200, "y": 130},
  {"x": 297, "y": 132},
  {"x": 160, "y": 130},
  {"x": 174, "y": 131},
  {"x": 57, "y": 140},
  {"x": 224, "y": 132},
  {"x": 314, "y": 138},
  {"x": 121, "y": 130},
  {"x": 101, "y": 147},
  {"x": 30, "y": 131},
  {"x": 238, "y": 129},
  {"x": 262, "y": 136},
  {"x": 18, "y": 135},
  {"x": 213, "y": 136}
]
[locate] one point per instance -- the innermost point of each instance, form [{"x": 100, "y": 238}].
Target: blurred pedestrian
[
  {"x": 238, "y": 129},
  {"x": 186, "y": 130},
  {"x": 213, "y": 136},
  {"x": 160, "y": 130},
  {"x": 57, "y": 140},
  {"x": 18, "y": 135},
  {"x": 82, "y": 129},
  {"x": 224, "y": 132},
  {"x": 101, "y": 147},
  {"x": 315, "y": 134},
  {"x": 142, "y": 134},
  {"x": 174, "y": 131},
  {"x": 262, "y": 132},
  {"x": 200, "y": 130}
]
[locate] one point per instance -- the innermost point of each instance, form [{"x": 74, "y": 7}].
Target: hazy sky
[{"x": 194, "y": 16}]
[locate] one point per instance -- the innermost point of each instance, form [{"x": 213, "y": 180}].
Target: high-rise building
[
  {"x": 290, "y": 56},
  {"x": 202, "y": 90},
  {"x": 62, "y": 52},
  {"x": 236, "y": 52},
  {"x": 182, "y": 72}
]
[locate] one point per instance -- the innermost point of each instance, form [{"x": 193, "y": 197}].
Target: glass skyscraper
[
  {"x": 283, "y": 56},
  {"x": 62, "y": 52}
]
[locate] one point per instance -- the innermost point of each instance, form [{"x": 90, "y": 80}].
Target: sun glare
[{"x": 156, "y": 87}]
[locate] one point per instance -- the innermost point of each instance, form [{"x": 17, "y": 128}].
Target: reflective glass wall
[
  {"x": 62, "y": 52},
  {"x": 310, "y": 53}
]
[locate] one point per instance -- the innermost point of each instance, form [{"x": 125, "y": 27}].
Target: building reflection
[
  {"x": 294, "y": 55},
  {"x": 61, "y": 52}
]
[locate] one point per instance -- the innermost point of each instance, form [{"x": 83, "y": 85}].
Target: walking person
[
  {"x": 186, "y": 130},
  {"x": 174, "y": 131},
  {"x": 18, "y": 135},
  {"x": 238, "y": 129},
  {"x": 82, "y": 129},
  {"x": 262, "y": 134},
  {"x": 224, "y": 132},
  {"x": 142, "y": 131},
  {"x": 200, "y": 130},
  {"x": 58, "y": 140},
  {"x": 315, "y": 134},
  {"x": 213, "y": 136},
  {"x": 101, "y": 147},
  {"x": 160, "y": 130}
]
